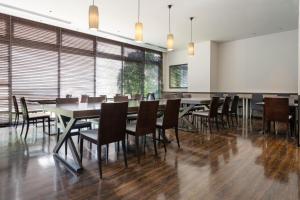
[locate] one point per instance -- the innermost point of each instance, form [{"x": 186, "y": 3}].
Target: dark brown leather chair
[
  {"x": 119, "y": 98},
  {"x": 96, "y": 99},
  {"x": 224, "y": 112},
  {"x": 210, "y": 115},
  {"x": 112, "y": 129},
  {"x": 138, "y": 97},
  {"x": 233, "y": 111},
  {"x": 17, "y": 111},
  {"x": 150, "y": 96},
  {"x": 84, "y": 98},
  {"x": 170, "y": 119},
  {"x": 276, "y": 110},
  {"x": 146, "y": 123},
  {"x": 32, "y": 118}
]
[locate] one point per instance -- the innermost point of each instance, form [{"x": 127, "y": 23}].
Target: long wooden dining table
[{"x": 79, "y": 111}]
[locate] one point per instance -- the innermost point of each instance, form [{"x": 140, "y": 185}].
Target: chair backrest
[
  {"x": 276, "y": 109},
  {"x": 96, "y": 99},
  {"x": 103, "y": 96},
  {"x": 171, "y": 113},
  {"x": 137, "y": 97},
  {"x": 84, "y": 98},
  {"x": 66, "y": 100},
  {"x": 24, "y": 108},
  {"x": 226, "y": 103},
  {"x": 170, "y": 96},
  {"x": 186, "y": 95},
  {"x": 214, "y": 105},
  {"x": 16, "y": 107},
  {"x": 147, "y": 114},
  {"x": 150, "y": 96},
  {"x": 234, "y": 104},
  {"x": 120, "y": 98},
  {"x": 68, "y": 96},
  {"x": 113, "y": 122}
]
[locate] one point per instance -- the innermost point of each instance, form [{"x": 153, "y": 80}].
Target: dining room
[{"x": 156, "y": 99}]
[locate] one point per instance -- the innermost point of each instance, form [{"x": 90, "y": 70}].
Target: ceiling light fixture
[
  {"x": 191, "y": 46},
  {"x": 170, "y": 37},
  {"x": 93, "y": 17},
  {"x": 139, "y": 27}
]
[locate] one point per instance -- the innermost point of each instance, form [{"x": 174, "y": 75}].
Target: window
[
  {"x": 108, "y": 68},
  {"x": 76, "y": 65},
  {"x": 178, "y": 76},
  {"x": 152, "y": 73},
  {"x": 34, "y": 61},
  {"x": 133, "y": 70},
  {"x": 39, "y": 61}
]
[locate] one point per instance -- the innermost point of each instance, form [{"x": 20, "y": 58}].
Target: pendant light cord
[
  {"x": 192, "y": 28},
  {"x": 138, "y": 10},
  {"x": 170, "y": 6},
  {"x": 93, "y": 2}
]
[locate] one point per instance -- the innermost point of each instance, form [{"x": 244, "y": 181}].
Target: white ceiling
[{"x": 219, "y": 20}]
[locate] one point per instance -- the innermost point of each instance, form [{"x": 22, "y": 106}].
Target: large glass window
[
  {"x": 34, "y": 61},
  {"x": 39, "y": 61}
]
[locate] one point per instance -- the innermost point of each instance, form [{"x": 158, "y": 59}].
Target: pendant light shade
[
  {"x": 191, "y": 46},
  {"x": 170, "y": 37},
  {"x": 93, "y": 17},
  {"x": 170, "y": 42},
  {"x": 191, "y": 49},
  {"x": 139, "y": 27}
]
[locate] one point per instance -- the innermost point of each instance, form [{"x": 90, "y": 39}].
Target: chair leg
[
  {"x": 43, "y": 125},
  {"x": 154, "y": 143},
  {"x": 216, "y": 120},
  {"x": 228, "y": 121},
  {"x": 162, "y": 131},
  {"x": 107, "y": 150},
  {"x": 81, "y": 149},
  {"x": 99, "y": 160},
  {"x": 236, "y": 119},
  {"x": 209, "y": 124},
  {"x": 137, "y": 148},
  {"x": 177, "y": 137},
  {"x": 22, "y": 127},
  {"x": 15, "y": 123},
  {"x": 18, "y": 118},
  {"x": 49, "y": 127},
  {"x": 124, "y": 153},
  {"x": 222, "y": 120},
  {"x": 27, "y": 127}
]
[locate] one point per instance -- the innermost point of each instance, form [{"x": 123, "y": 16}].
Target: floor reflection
[{"x": 218, "y": 165}]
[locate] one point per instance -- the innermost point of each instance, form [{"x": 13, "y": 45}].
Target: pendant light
[
  {"x": 191, "y": 47},
  {"x": 139, "y": 27},
  {"x": 93, "y": 17},
  {"x": 170, "y": 37}
]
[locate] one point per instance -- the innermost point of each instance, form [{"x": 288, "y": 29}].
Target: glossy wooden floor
[{"x": 232, "y": 164}]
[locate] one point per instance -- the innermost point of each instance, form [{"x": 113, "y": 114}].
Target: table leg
[
  {"x": 190, "y": 126},
  {"x": 76, "y": 166}
]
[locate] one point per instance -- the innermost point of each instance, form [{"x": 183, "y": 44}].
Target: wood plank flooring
[{"x": 237, "y": 163}]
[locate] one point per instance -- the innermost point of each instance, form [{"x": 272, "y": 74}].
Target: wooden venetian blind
[
  {"x": 4, "y": 64},
  {"x": 108, "y": 68},
  {"x": 77, "y": 64},
  {"x": 34, "y": 60}
]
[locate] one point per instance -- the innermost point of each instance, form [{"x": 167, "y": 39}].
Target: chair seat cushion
[
  {"x": 38, "y": 115},
  {"x": 82, "y": 124},
  {"x": 131, "y": 128},
  {"x": 132, "y": 116},
  {"x": 90, "y": 135}
]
